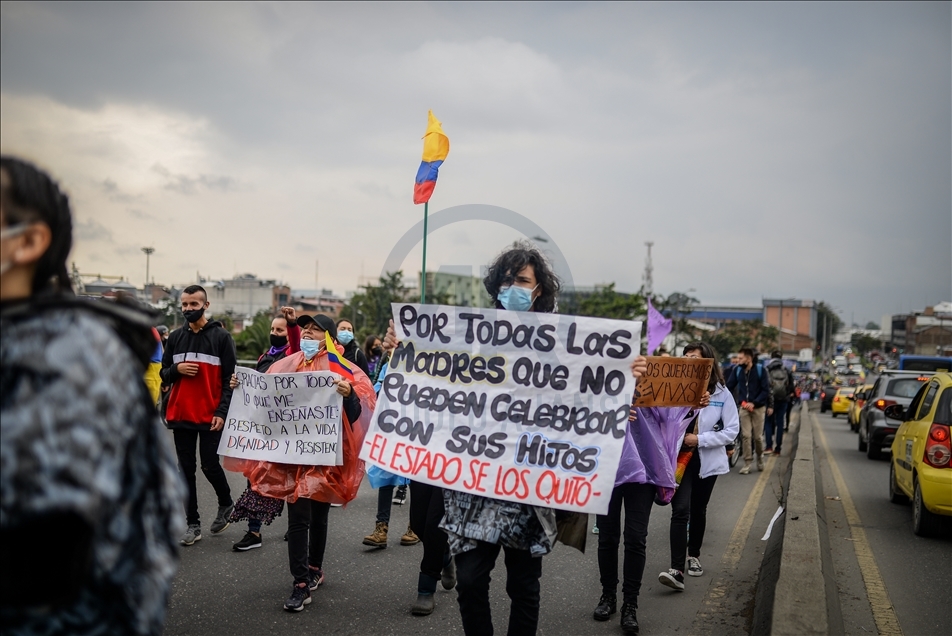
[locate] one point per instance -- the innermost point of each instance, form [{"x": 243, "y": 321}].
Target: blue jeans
[{"x": 774, "y": 424}]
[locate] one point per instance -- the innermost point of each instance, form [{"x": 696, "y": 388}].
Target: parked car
[
  {"x": 921, "y": 465},
  {"x": 876, "y": 429},
  {"x": 856, "y": 405},
  {"x": 841, "y": 401}
]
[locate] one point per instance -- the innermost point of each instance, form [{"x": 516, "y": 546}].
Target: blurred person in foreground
[{"x": 89, "y": 493}]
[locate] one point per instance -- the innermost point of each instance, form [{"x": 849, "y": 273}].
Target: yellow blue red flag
[
  {"x": 335, "y": 360},
  {"x": 436, "y": 145}
]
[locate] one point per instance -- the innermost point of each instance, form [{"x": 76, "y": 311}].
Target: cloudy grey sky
[{"x": 795, "y": 149}]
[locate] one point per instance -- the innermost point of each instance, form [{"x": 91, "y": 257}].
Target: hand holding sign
[{"x": 673, "y": 382}]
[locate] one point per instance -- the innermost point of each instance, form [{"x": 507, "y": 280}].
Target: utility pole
[
  {"x": 148, "y": 252},
  {"x": 648, "y": 278}
]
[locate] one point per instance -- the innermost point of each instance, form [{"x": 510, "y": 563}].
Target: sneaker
[
  {"x": 400, "y": 496},
  {"x": 223, "y": 520},
  {"x": 337, "y": 505},
  {"x": 607, "y": 605},
  {"x": 673, "y": 579},
  {"x": 629, "y": 619},
  {"x": 300, "y": 596},
  {"x": 768, "y": 451},
  {"x": 409, "y": 538},
  {"x": 760, "y": 462},
  {"x": 448, "y": 575},
  {"x": 424, "y": 606},
  {"x": 315, "y": 576},
  {"x": 694, "y": 567},
  {"x": 776, "y": 451},
  {"x": 192, "y": 534},
  {"x": 377, "y": 539},
  {"x": 745, "y": 470},
  {"x": 249, "y": 542},
  {"x": 595, "y": 529}
]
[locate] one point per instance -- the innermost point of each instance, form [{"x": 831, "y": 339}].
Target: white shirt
[{"x": 711, "y": 442}]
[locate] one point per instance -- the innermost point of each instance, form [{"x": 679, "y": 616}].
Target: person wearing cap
[{"x": 310, "y": 490}]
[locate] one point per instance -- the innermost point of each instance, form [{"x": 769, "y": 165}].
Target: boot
[
  {"x": 629, "y": 619},
  {"x": 448, "y": 575},
  {"x": 409, "y": 538},
  {"x": 379, "y": 537},
  {"x": 607, "y": 605},
  {"x": 426, "y": 596}
]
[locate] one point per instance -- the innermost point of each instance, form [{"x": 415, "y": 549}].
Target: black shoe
[
  {"x": 424, "y": 606},
  {"x": 249, "y": 542},
  {"x": 629, "y": 619},
  {"x": 223, "y": 520},
  {"x": 607, "y": 605},
  {"x": 300, "y": 596},
  {"x": 400, "y": 496},
  {"x": 315, "y": 577}
]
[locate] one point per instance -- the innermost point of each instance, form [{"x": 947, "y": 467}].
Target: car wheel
[
  {"x": 896, "y": 495},
  {"x": 822, "y": 409},
  {"x": 923, "y": 521},
  {"x": 862, "y": 442},
  {"x": 873, "y": 451},
  {"x": 834, "y": 415}
]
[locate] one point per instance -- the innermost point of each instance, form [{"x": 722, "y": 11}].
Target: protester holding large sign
[
  {"x": 512, "y": 413},
  {"x": 309, "y": 475}
]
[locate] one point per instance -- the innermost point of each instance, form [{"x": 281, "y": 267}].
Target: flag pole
[{"x": 426, "y": 209}]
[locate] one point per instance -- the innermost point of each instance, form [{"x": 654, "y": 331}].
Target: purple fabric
[
  {"x": 658, "y": 328},
  {"x": 273, "y": 351},
  {"x": 651, "y": 446}
]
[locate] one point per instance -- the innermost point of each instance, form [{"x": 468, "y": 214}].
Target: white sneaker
[
  {"x": 694, "y": 567},
  {"x": 745, "y": 470},
  {"x": 760, "y": 463}
]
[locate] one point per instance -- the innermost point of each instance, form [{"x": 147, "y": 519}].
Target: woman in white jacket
[{"x": 714, "y": 429}]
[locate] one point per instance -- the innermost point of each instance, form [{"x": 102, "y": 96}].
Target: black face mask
[
  {"x": 193, "y": 315},
  {"x": 377, "y": 351},
  {"x": 278, "y": 341}
]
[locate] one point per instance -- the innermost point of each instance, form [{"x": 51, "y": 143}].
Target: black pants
[
  {"x": 523, "y": 571},
  {"x": 307, "y": 536},
  {"x": 211, "y": 466},
  {"x": 426, "y": 511},
  {"x": 638, "y": 500},
  {"x": 384, "y": 503},
  {"x": 689, "y": 505}
]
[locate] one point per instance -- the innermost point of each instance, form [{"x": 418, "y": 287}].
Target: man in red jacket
[{"x": 198, "y": 363}]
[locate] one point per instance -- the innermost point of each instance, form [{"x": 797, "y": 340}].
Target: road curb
[{"x": 800, "y": 599}]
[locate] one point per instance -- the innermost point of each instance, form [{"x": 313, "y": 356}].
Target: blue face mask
[
  {"x": 345, "y": 337},
  {"x": 310, "y": 348},
  {"x": 516, "y": 298}
]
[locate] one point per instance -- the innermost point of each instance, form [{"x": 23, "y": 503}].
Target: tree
[
  {"x": 369, "y": 310},
  {"x": 872, "y": 326},
  {"x": 605, "y": 302},
  {"x": 827, "y": 324},
  {"x": 256, "y": 337},
  {"x": 863, "y": 343},
  {"x": 748, "y": 333}
]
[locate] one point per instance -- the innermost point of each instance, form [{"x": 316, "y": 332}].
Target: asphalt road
[
  {"x": 916, "y": 572},
  {"x": 367, "y": 591}
]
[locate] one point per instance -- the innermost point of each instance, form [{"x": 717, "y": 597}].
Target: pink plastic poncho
[{"x": 333, "y": 484}]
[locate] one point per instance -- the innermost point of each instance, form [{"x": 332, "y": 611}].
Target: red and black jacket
[{"x": 194, "y": 401}]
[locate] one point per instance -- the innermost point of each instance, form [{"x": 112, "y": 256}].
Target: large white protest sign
[
  {"x": 519, "y": 406},
  {"x": 290, "y": 418}
]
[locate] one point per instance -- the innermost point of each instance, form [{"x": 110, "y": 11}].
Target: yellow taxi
[
  {"x": 856, "y": 405},
  {"x": 921, "y": 465},
  {"x": 841, "y": 401}
]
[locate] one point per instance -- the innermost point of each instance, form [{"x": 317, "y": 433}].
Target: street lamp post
[{"x": 148, "y": 252}]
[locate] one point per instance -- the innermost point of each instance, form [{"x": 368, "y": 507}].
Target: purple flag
[{"x": 658, "y": 328}]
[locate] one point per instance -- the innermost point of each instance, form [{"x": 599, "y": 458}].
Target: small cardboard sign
[{"x": 673, "y": 381}]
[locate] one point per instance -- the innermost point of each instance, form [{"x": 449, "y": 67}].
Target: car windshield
[
  {"x": 846, "y": 391},
  {"x": 904, "y": 387}
]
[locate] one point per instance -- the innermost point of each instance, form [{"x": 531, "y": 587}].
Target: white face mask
[{"x": 9, "y": 233}]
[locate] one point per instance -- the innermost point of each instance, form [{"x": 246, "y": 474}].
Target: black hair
[
  {"x": 369, "y": 346},
  {"x": 747, "y": 351},
  {"x": 33, "y": 197},
  {"x": 776, "y": 354},
  {"x": 503, "y": 270},
  {"x": 194, "y": 289},
  {"x": 707, "y": 351},
  {"x": 337, "y": 324}
]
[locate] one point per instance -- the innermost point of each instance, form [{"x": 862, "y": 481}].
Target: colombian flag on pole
[
  {"x": 335, "y": 360},
  {"x": 436, "y": 145}
]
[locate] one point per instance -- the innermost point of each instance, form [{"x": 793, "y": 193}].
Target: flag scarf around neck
[
  {"x": 658, "y": 328},
  {"x": 335, "y": 360},
  {"x": 436, "y": 145}
]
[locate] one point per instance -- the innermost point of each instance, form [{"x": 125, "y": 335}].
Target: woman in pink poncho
[{"x": 310, "y": 490}]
